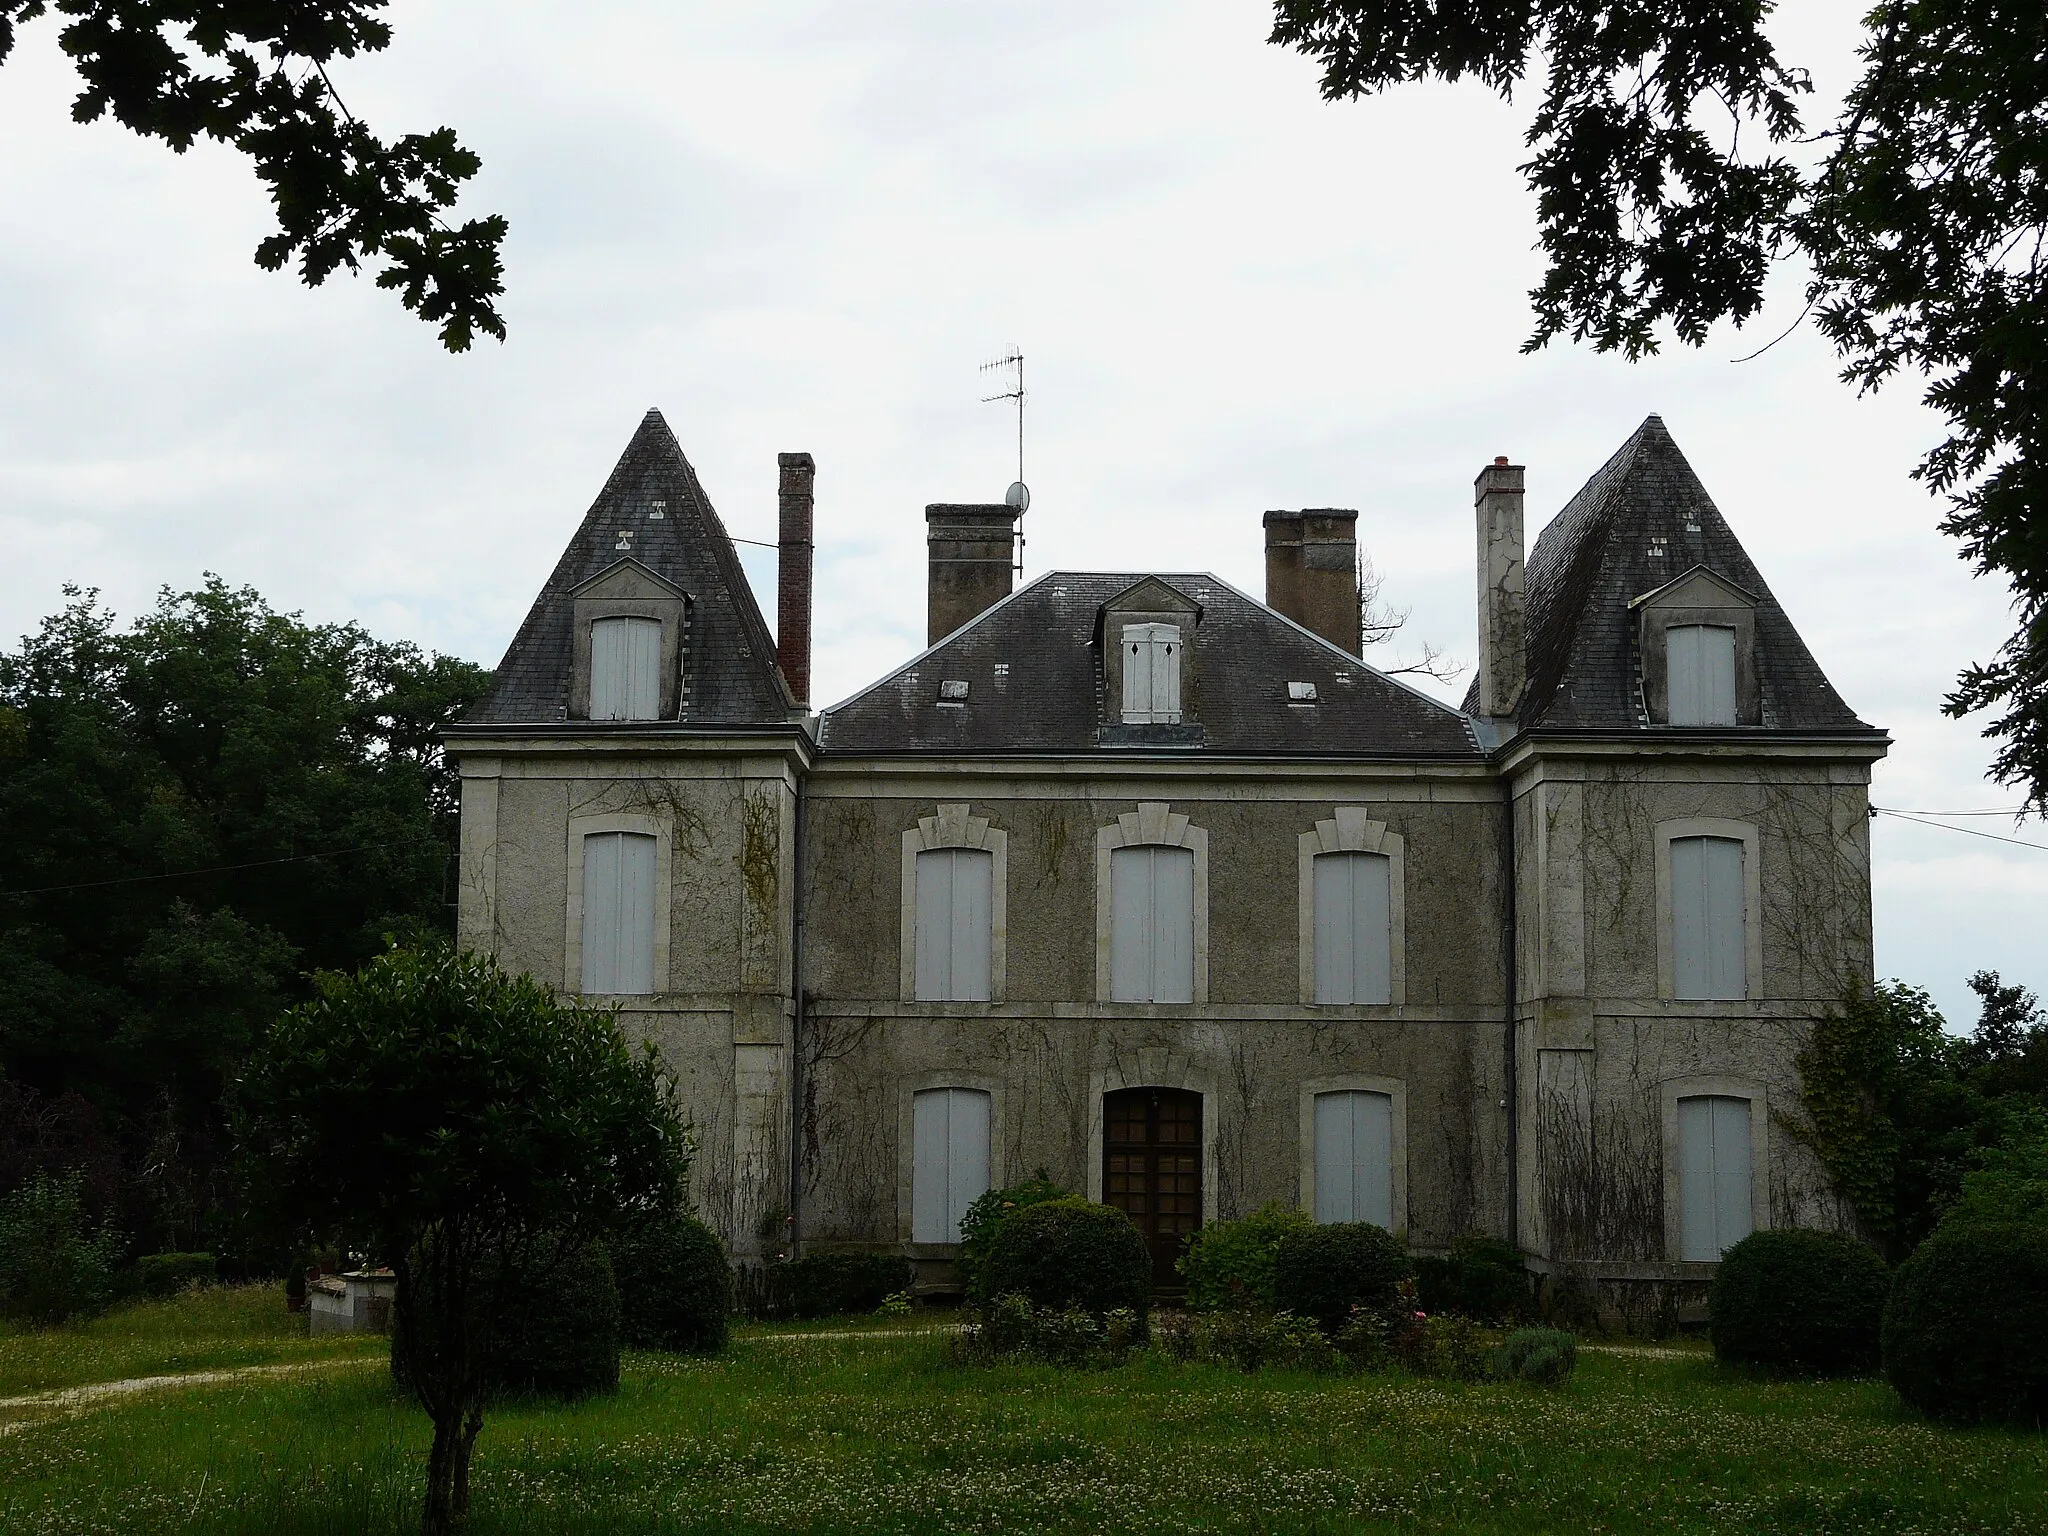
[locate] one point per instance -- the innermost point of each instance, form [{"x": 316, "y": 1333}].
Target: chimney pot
[
  {"x": 1503, "y": 625},
  {"x": 798, "y": 474},
  {"x": 1312, "y": 571}
]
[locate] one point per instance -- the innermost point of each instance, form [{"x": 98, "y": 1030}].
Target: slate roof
[
  {"x": 734, "y": 679},
  {"x": 1640, "y": 521},
  {"x": 1046, "y": 696}
]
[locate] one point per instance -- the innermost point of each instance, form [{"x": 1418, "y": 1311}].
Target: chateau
[{"x": 1143, "y": 881}]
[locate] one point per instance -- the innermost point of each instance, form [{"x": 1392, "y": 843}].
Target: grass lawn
[{"x": 789, "y": 1433}]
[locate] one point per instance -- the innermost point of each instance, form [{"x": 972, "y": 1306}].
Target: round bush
[
  {"x": 1792, "y": 1300},
  {"x": 1545, "y": 1356},
  {"x": 1966, "y": 1328},
  {"x": 838, "y": 1282},
  {"x": 1071, "y": 1252},
  {"x": 1230, "y": 1263},
  {"x": 675, "y": 1285},
  {"x": 1324, "y": 1271},
  {"x": 162, "y": 1275}
]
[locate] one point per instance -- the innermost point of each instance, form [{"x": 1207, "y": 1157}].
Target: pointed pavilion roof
[
  {"x": 1642, "y": 520},
  {"x": 654, "y": 511}
]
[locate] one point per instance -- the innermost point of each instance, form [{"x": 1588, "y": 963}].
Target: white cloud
[{"x": 803, "y": 226}]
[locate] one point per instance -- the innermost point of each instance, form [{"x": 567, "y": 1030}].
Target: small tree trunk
[
  {"x": 465, "y": 1443},
  {"x": 439, "y": 1516}
]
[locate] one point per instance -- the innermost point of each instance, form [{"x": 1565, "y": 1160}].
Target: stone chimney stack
[
  {"x": 970, "y": 551},
  {"x": 793, "y": 573},
  {"x": 1503, "y": 620},
  {"x": 1312, "y": 571}
]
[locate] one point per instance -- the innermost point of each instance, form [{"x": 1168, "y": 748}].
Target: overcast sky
[{"x": 804, "y": 226}]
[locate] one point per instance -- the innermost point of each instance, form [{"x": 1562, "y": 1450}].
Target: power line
[
  {"x": 2017, "y": 842},
  {"x": 2004, "y": 810}
]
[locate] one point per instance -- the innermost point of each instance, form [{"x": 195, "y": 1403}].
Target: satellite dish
[{"x": 1018, "y": 498}]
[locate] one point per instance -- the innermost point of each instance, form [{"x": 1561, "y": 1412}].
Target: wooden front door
[{"x": 1152, "y": 1168}]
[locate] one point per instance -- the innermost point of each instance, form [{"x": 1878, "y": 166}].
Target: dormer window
[
  {"x": 625, "y": 669},
  {"x": 1151, "y": 654},
  {"x": 1696, "y": 639},
  {"x": 1700, "y": 671},
  {"x": 631, "y": 629}
]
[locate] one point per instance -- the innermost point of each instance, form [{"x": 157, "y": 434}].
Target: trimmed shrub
[
  {"x": 1793, "y": 1300},
  {"x": 1013, "y": 1329},
  {"x": 1966, "y": 1328},
  {"x": 675, "y": 1286},
  {"x": 1230, "y": 1263},
  {"x": 1324, "y": 1272},
  {"x": 978, "y": 1225},
  {"x": 161, "y": 1275},
  {"x": 54, "y": 1264},
  {"x": 1249, "y": 1339},
  {"x": 1546, "y": 1356},
  {"x": 556, "y": 1338},
  {"x": 830, "y": 1284},
  {"x": 1481, "y": 1278},
  {"x": 1071, "y": 1253},
  {"x": 564, "y": 1342}
]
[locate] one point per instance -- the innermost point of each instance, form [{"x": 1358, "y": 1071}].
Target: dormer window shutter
[
  {"x": 1700, "y": 659},
  {"x": 1152, "y": 674},
  {"x": 625, "y": 669}
]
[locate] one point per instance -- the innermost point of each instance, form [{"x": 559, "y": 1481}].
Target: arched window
[
  {"x": 955, "y": 911},
  {"x": 1714, "y": 1176},
  {"x": 1354, "y": 1155},
  {"x": 618, "y": 912},
  {"x": 1709, "y": 938},
  {"x": 949, "y": 1160},
  {"x": 1354, "y": 943},
  {"x": 1152, "y": 925}
]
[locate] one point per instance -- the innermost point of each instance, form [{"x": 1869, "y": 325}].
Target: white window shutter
[
  {"x": 1354, "y": 1155},
  {"x": 1709, "y": 933},
  {"x": 1130, "y": 925},
  {"x": 1152, "y": 667},
  {"x": 935, "y": 925},
  {"x": 1714, "y": 1191},
  {"x": 929, "y": 1205},
  {"x": 1353, "y": 927},
  {"x": 1734, "y": 1217},
  {"x": 969, "y": 939},
  {"x": 1173, "y": 908},
  {"x": 625, "y": 669},
  {"x": 618, "y": 913},
  {"x": 967, "y": 1154},
  {"x": 1336, "y": 930},
  {"x": 1699, "y": 661},
  {"x": 949, "y": 1160}
]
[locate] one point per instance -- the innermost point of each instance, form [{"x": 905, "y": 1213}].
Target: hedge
[
  {"x": 1481, "y": 1278},
  {"x": 1793, "y": 1300},
  {"x": 1324, "y": 1272},
  {"x": 1071, "y": 1253},
  {"x": 160, "y": 1275},
  {"x": 675, "y": 1285}
]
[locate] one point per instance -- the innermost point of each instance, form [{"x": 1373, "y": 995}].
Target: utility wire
[{"x": 2017, "y": 842}]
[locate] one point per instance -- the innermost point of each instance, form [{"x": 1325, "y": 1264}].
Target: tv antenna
[{"x": 1019, "y": 495}]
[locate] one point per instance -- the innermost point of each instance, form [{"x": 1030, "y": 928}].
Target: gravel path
[{"x": 65, "y": 1401}]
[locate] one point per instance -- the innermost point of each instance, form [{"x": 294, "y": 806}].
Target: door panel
[{"x": 1152, "y": 1168}]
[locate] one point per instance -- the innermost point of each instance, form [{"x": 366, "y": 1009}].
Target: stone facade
[{"x": 1536, "y": 1047}]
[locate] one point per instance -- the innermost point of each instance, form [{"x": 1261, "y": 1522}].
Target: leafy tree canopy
[
  {"x": 1665, "y": 197},
  {"x": 200, "y": 808},
  {"x": 254, "y": 74},
  {"x": 469, "y": 1129}
]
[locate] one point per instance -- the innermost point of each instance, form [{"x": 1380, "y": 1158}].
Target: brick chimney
[
  {"x": 1312, "y": 571},
  {"x": 793, "y": 573},
  {"x": 1503, "y": 622},
  {"x": 970, "y": 549}
]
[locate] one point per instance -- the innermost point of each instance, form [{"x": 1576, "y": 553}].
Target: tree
[
  {"x": 1664, "y": 201},
  {"x": 198, "y": 809},
  {"x": 254, "y": 74},
  {"x": 472, "y": 1131},
  {"x": 1379, "y": 622}
]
